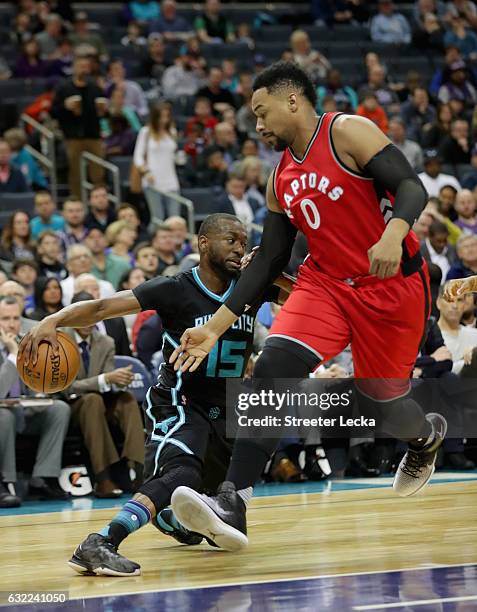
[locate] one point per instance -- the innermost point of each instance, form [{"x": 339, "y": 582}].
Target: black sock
[
  {"x": 248, "y": 461},
  {"x": 117, "y": 533}
]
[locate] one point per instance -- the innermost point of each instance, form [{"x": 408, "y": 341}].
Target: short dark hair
[
  {"x": 212, "y": 223},
  {"x": 18, "y": 263},
  {"x": 81, "y": 296},
  {"x": 437, "y": 227},
  {"x": 140, "y": 247},
  {"x": 286, "y": 75}
]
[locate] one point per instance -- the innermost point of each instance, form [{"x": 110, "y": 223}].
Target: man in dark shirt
[
  {"x": 101, "y": 212},
  {"x": 78, "y": 105},
  {"x": 219, "y": 97}
]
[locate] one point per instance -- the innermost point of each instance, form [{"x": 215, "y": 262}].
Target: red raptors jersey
[{"x": 341, "y": 213}]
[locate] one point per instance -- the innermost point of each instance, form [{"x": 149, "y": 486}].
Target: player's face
[
  {"x": 226, "y": 249},
  {"x": 274, "y": 118}
]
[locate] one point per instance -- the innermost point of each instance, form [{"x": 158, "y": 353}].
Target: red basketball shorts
[{"x": 383, "y": 320}]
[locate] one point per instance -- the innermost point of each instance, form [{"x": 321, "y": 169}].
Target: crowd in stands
[{"x": 172, "y": 94}]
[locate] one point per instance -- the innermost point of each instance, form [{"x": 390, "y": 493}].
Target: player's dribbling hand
[
  {"x": 385, "y": 258},
  {"x": 196, "y": 344},
  {"x": 458, "y": 287},
  {"x": 43, "y": 332},
  {"x": 246, "y": 259}
]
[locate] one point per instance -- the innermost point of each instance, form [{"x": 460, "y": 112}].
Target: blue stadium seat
[
  {"x": 9, "y": 202},
  {"x": 202, "y": 197},
  {"x": 123, "y": 162},
  {"x": 142, "y": 379}
]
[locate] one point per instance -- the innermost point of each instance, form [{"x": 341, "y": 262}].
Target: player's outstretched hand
[
  {"x": 458, "y": 287},
  {"x": 246, "y": 259},
  {"x": 43, "y": 332},
  {"x": 196, "y": 344},
  {"x": 385, "y": 258}
]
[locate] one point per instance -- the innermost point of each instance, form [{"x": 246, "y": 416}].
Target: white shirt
[
  {"x": 242, "y": 210},
  {"x": 457, "y": 345},
  {"x": 434, "y": 185},
  {"x": 159, "y": 157},
  {"x": 440, "y": 259},
  {"x": 68, "y": 287}
]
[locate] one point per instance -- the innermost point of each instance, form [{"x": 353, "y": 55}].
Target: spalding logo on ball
[{"x": 51, "y": 373}]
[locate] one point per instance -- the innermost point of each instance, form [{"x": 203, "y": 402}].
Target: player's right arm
[
  {"x": 273, "y": 255},
  {"x": 458, "y": 287},
  {"x": 81, "y": 314}
]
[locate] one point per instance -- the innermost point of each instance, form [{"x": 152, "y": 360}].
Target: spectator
[
  {"x": 371, "y": 109},
  {"x": 24, "y": 160},
  {"x": 74, "y": 214},
  {"x": 128, "y": 212},
  {"x": 146, "y": 260},
  {"x": 50, "y": 256},
  {"x": 121, "y": 139},
  {"x": 115, "y": 327},
  {"x": 178, "y": 227},
  {"x": 101, "y": 212},
  {"x": 418, "y": 114},
  {"x": 83, "y": 37},
  {"x": 464, "y": 9},
  {"x": 465, "y": 40},
  {"x": 230, "y": 78},
  {"x": 470, "y": 179},
  {"x": 29, "y": 65},
  {"x": 427, "y": 23},
  {"x": 220, "y": 98},
  {"x": 466, "y": 265},
  {"x": 465, "y": 208},
  {"x": 78, "y": 105},
  {"x": 432, "y": 178},
  {"x": 134, "y": 37},
  {"x": 437, "y": 211},
  {"x": 447, "y": 195},
  {"x": 388, "y": 26},
  {"x": 411, "y": 150},
  {"x": 212, "y": 167},
  {"x": 469, "y": 318},
  {"x": 62, "y": 63},
  {"x": 49, "y": 40},
  {"x": 384, "y": 94},
  {"x": 202, "y": 115},
  {"x": 235, "y": 202},
  {"x": 154, "y": 64},
  {"x": 455, "y": 148},
  {"x": 164, "y": 244},
  {"x": 244, "y": 35},
  {"x": 144, "y": 11},
  {"x": 11, "y": 178},
  {"x": 47, "y": 218},
  {"x": 183, "y": 78},
  {"x": 458, "y": 87},
  {"x": 48, "y": 298},
  {"x": 25, "y": 272},
  {"x": 99, "y": 388},
  {"x": 172, "y": 26},
  {"x": 434, "y": 133},
  {"x": 307, "y": 58},
  {"x": 131, "y": 278},
  {"x": 22, "y": 29},
  {"x": 116, "y": 107},
  {"x": 50, "y": 422},
  {"x": 134, "y": 96},
  {"x": 213, "y": 27},
  {"x": 79, "y": 260},
  {"x": 121, "y": 238},
  {"x": 106, "y": 266},
  {"x": 436, "y": 249},
  {"x": 16, "y": 241},
  {"x": 255, "y": 173},
  {"x": 225, "y": 137},
  {"x": 13, "y": 289},
  {"x": 345, "y": 97}
]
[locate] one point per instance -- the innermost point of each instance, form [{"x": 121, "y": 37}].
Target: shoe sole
[
  {"x": 196, "y": 515},
  {"x": 100, "y": 570}
]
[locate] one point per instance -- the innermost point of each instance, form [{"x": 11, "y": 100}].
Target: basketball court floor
[{"x": 340, "y": 546}]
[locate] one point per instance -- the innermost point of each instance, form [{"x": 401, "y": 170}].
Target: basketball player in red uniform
[{"x": 353, "y": 194}]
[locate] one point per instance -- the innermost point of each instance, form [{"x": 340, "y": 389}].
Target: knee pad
[{"x": 282, "y": 358}]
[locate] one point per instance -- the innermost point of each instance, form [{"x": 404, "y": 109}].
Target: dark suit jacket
[
  {"x": 451, "y": 255},
  {"x": 101, "y": 360},
  {"x": 116, "y": 329},
  {"x": 223, "y": 204}
]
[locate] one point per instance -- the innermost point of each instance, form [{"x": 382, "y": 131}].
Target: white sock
[{"x": 245, "y": 495}]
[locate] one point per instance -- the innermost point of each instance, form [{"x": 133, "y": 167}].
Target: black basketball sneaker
[
  {"x": 97, "y": 555},
  {"x": 167, "y": 524},
  {"x": 221, "y": 518}
]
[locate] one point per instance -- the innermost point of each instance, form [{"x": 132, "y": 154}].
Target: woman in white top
[{"x": 154, "y": 156}]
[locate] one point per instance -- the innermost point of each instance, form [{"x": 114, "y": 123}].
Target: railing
[
  {"x": 89, "y": 158},
  {"x": 47, "y": 156},
  {"x": 176, "y": 198}
]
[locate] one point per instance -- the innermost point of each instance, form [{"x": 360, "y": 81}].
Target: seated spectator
[
  {"x": 134, "y": 37},
  {"x": 203, "y": 116},
  {"x": 225, "y": 137},
  {"x": 314, "y": 62},
  {"x": 79, "y": 260},
  {"x": 371, "y": 109},
  {"x": 345, "y": 97},
  {"x": 435, "y": 132},
  {"x": 48, "y": 40},
  {"x": 422, "y": 224},
  {"x": 75, "y": 231},
  {"x": 62, "y": 63},
  {"x": 29, "y": 65},
  {"x": 466, "y": 265},
  {"x": 144, "y": 11},
  {"x": 465, "y": 207},
  {"x": 99, "y": 388},
  {"x": 121, "y": 238},
  {"x": 148, "y": 340},
  {"x": 164, "y": 244},
  {"x": 464, "y": 9},
  {"x": 339, "y": 12},
  {"x": 436, "y": 248},
  {"x": 461, "y": 37},
  {"x": 235, "y": 202},
  {"x": 50, "y": 422},
  {"x": 25, "y": 272},
  {"x": 417, "y": 114},
  {"x": 121, "y": 139},
  {"x": 220, "y": 98},
  {"x": 23, "y": 160},
  {"x": 213, "y": 27},
  {"x": 455, "y": 148},
  {"x": 447, "y": 195},
  {"x": 434, "y": 208},
  {"x": 411, "y": 150},
  {"x": 212, "y": 167},
  {"x": 116, "y": 107},
  {"x": 128, "y": 212},
  {"x": 134, "y": 96},
  {"x": 388, "y": 26},
  {"x": 47, "y": 218},
  {"x": 183, "y": 78},
  {"x": 384, "y": 94},
  {"x": 106, "y": 266},
  {"x": 172, "y": 26},
  {"x": 15, "y": 240},
  {"x": 82, "y": 36},
  {"x": 230, "y": 78},
  {"x": 428, "y": 25},
  {"x": 115, "y": 327},
  {"x": 470, "y": 179},
  {"x": 48, "y": 298},
  {"x": 131, "y": 279},
  {"x": 155, "y": 64},
  {"x": 146, "y": 259},
  {"x": 458, "y": 86},
  {"x": 432, "y": 178},
  {"x": 23, "y": 28},
  {"x": 178, "y": 227},
  {"x": 13, "y": 289},
  {"x": 11, "y": 178},
  {"x": 50, "y": 256},
  {"x": 469, "y": 316},
  {"x": 255, "y": 173},
  {"x": 101, "y": 212}
]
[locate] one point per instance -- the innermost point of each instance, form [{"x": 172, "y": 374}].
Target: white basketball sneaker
[{"x": 418, "y": 464}]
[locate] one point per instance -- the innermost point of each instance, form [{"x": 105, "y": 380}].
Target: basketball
[{"x": 52, "y": 373}]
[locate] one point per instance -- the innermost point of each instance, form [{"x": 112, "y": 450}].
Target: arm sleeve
[
  {"x": 163, "y": 293},
  {"x": 391, "y": 170},
  {"x": 275, "y": 249}
]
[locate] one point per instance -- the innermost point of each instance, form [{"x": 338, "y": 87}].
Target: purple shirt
[{"x": 466, "y": 227}]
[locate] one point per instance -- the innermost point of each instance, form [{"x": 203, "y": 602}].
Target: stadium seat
[
  {"x": 123, "y": 162},
  {"x": 202, "y": 198},
  {"x": 274, "y": 34},
  {"x": 142, "y": 378},
  {"x": 9, "y": 202}
]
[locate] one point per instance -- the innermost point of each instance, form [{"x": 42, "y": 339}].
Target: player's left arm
[{"x": 362, "y": 145}]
